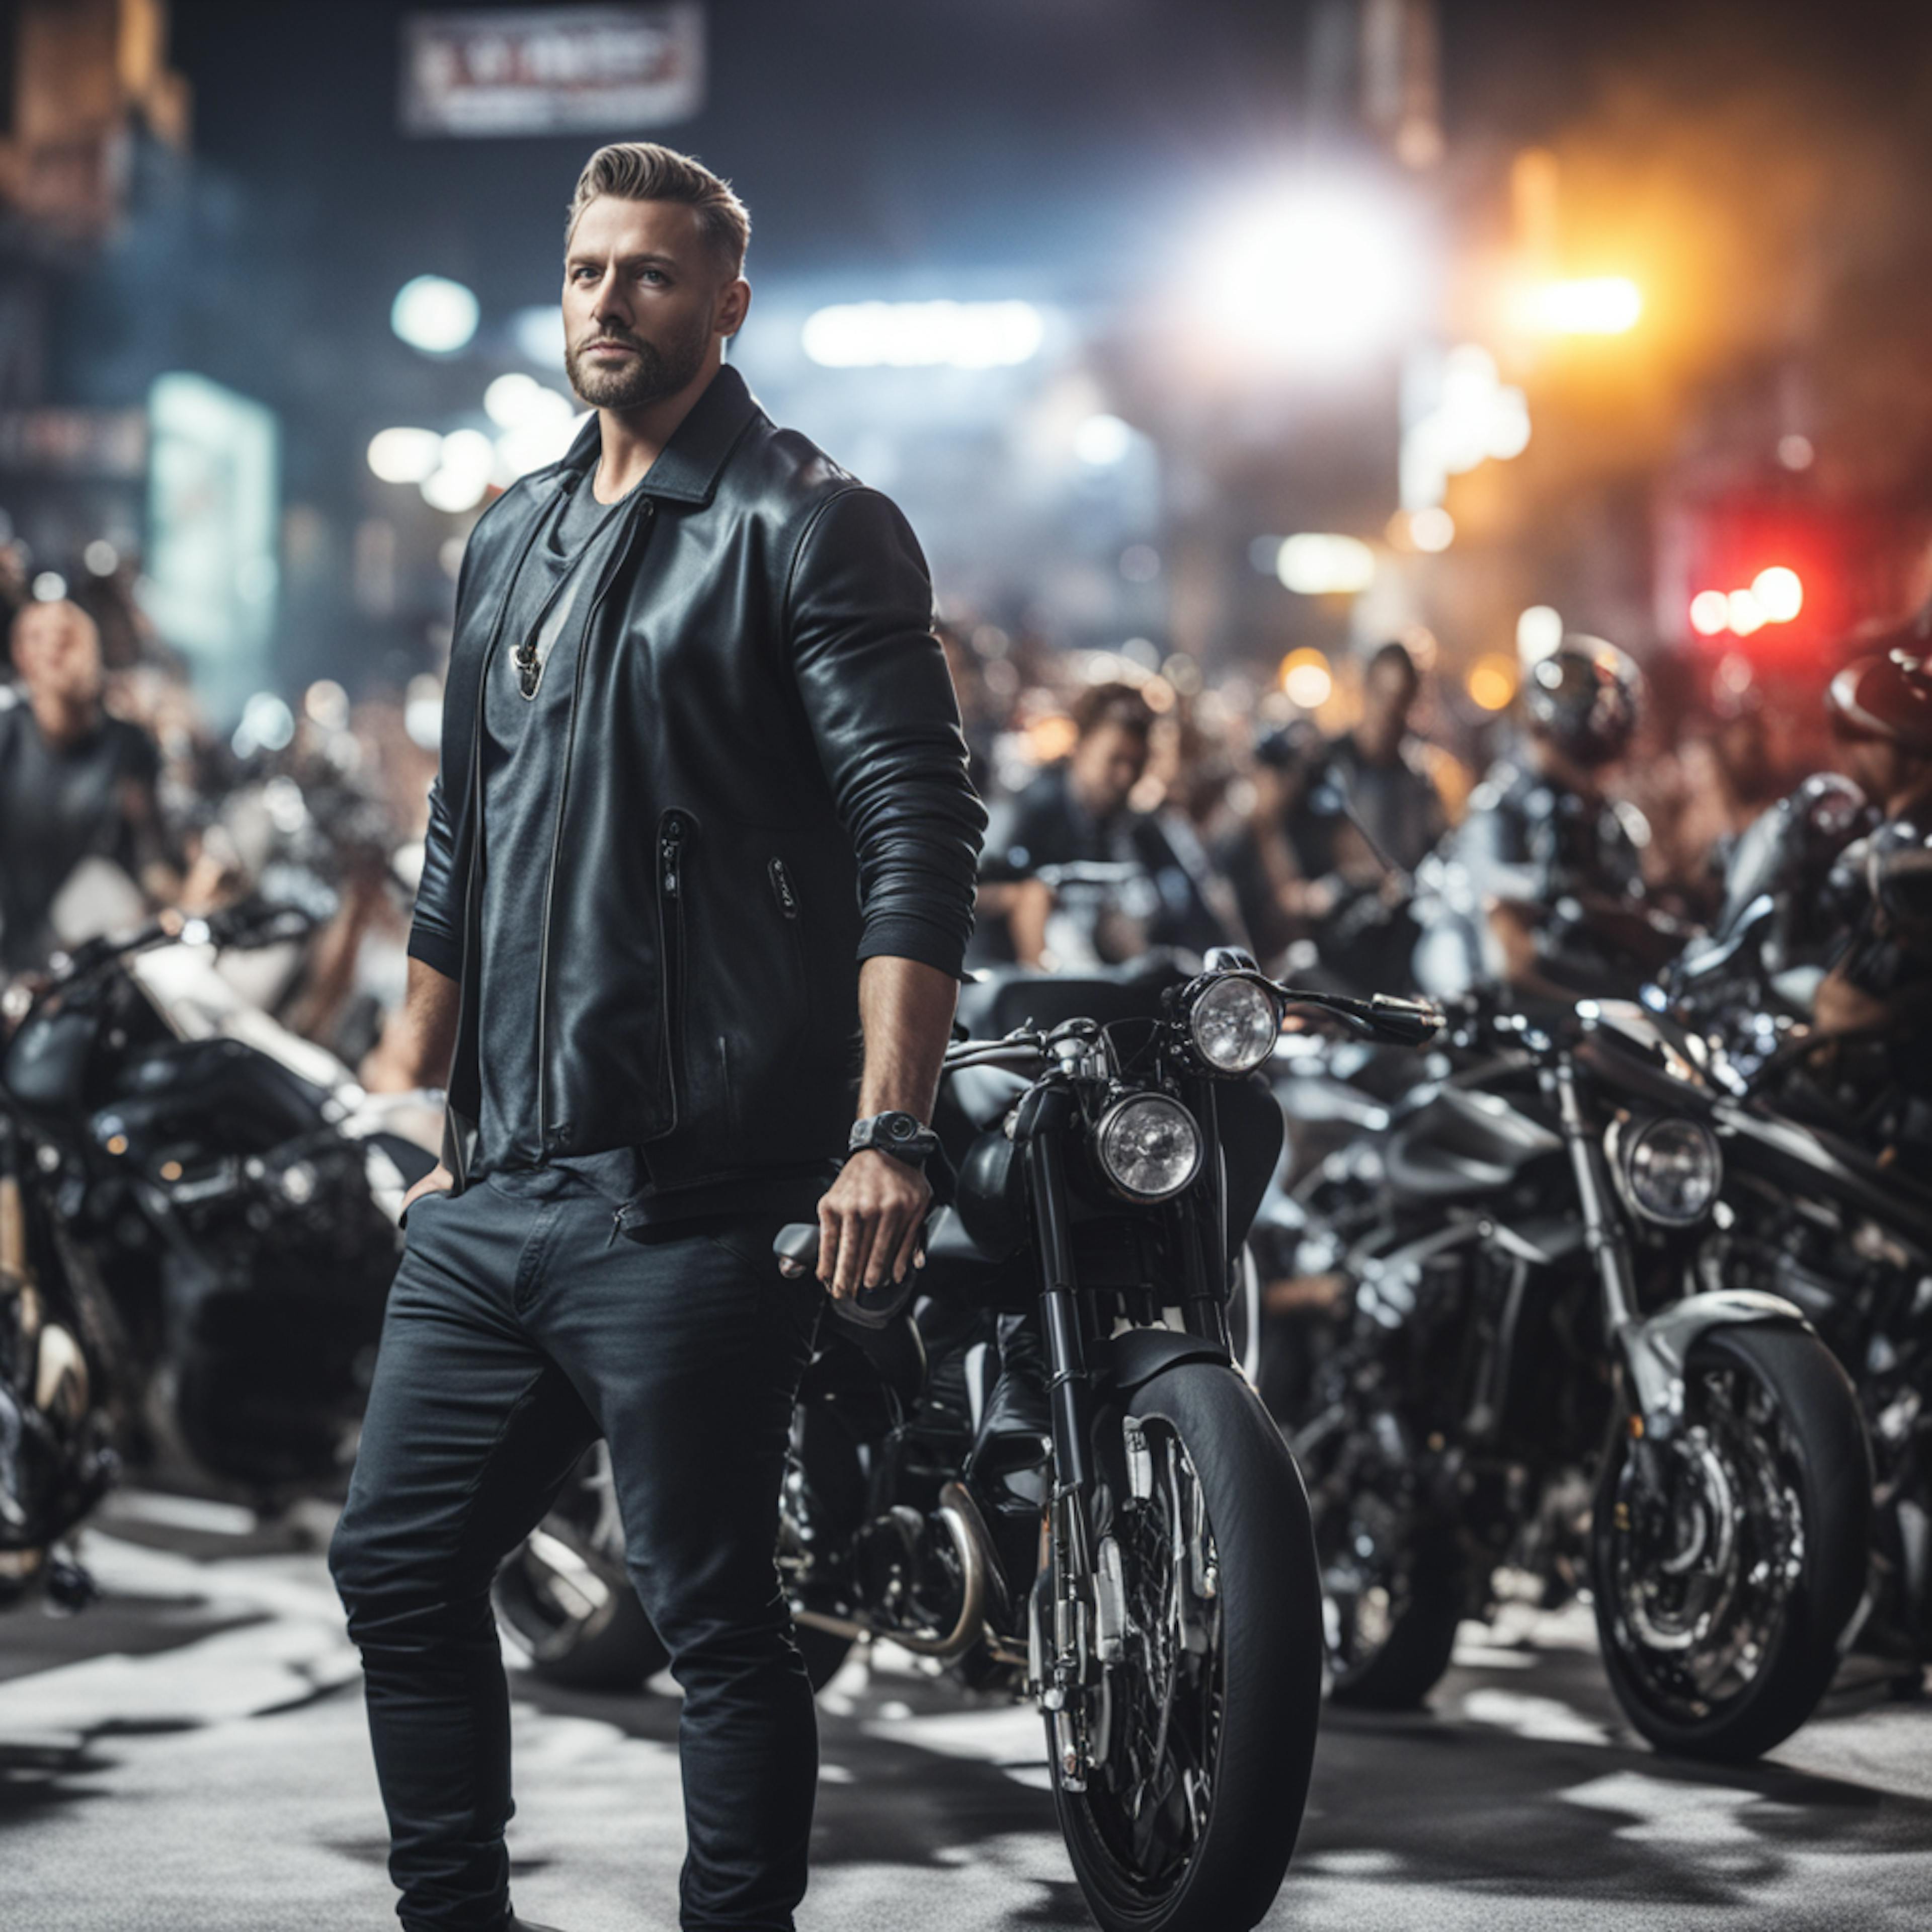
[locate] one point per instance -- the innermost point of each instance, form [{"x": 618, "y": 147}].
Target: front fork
[
  {"x": 1060, "y": 1632},
  {"x": 1657, "y": 1392}
]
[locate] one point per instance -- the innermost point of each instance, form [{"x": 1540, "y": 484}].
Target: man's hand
[
  {"x": 870, "y": 1222},
  {"x": 438, "y": 1180}
]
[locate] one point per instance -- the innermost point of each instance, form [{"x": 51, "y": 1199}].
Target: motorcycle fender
[
  {"x": 1657, "y": 1350},
  {"x": 1135, "y": 1356}
]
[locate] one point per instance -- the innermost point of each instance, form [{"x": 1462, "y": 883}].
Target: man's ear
[{"x": 734, "y": 304}]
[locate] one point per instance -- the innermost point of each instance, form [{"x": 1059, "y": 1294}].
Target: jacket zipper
[
  {"x": 781, "y": 889},
  {"x": 610, "y": 569},
  {"x": 671, "y": 828}
]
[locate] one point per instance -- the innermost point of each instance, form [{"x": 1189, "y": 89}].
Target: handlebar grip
[
  {"x": 796, "y": 1248},
  {"x": 1407, "y": 1022}
]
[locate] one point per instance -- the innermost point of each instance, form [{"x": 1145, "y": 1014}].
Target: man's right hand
[{"x": 438, "y": 1180}]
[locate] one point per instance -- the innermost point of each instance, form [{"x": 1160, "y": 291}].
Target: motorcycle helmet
[
  {"x": 1887, "y": 695},
  {"x": 1583, "y": 699}
]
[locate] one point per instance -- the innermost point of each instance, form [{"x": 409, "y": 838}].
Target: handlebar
[
  {"x": 796, "y": 1247},
  {"x": 1400, "y": 1022}
]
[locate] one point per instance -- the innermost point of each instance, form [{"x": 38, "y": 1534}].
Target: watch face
[{"x": 902, "y": 1127}]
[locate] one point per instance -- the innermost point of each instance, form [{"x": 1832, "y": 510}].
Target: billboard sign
[
  {"x": 213, "y": 512},
  {"x": 555, "y": 71}
]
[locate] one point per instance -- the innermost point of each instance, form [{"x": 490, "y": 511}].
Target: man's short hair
[
  {"x": 1395, "y": 655},
  {"x": 643, "y": 171},
  {"x": 1103, "y": 704}
]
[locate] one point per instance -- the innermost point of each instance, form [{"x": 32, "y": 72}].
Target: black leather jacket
[{"x": 765, "y": 785}]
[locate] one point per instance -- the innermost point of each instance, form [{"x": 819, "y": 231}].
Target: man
[
  {"x": 76, "y": 783},
  {"x": 1540, "y": 887},
  {"x": 1077, "y": 813},
  {"x": 1380, "y": 782},
  {"x": 702, "y": 810}
]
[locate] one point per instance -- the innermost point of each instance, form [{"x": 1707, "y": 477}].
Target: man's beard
[{"x": 656, "y": 370}]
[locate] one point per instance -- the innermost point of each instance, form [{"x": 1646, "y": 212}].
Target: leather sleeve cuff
[
  {"x": 904, "y": 936},
  {"x": 437, "y": 950}
]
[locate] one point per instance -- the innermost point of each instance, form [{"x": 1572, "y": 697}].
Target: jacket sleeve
[
  {"x": 879, "y": 703},
  {"x": 436, "y": 933}
]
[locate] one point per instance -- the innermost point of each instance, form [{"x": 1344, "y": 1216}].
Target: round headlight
[
  {"x": 1234, "y": 1024},
  {"x": 1670, "y": 1169},
  {"x": 1149, "y": 1147}
]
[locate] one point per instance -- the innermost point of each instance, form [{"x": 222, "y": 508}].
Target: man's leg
[
  {"x": 470, "y": 1433},
  {"x": 689, "y": 1347}
]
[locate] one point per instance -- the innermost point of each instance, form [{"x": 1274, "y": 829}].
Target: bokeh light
[{"x": 1492, "y": 682}]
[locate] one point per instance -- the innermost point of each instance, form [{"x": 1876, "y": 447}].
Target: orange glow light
[{"x": 1492, "y": 682}]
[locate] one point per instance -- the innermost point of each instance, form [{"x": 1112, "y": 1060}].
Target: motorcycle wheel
[
  {"x": 1392, "y": 1581},
  {"x": 1720, "y": 1603},
  {"x": 1190, "y": 1815},
  {"x": 564, "y": 1600}
]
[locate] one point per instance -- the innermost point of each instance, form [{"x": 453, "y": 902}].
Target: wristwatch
[{"x": 901, "y": 1135}]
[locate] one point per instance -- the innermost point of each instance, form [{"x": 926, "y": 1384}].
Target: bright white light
[
  {"x": 1779, "y": 593},
  {"x": 327, "y": 704},
  {"x": 422, "y": 711},
  {"x": 1796, "y": 451},
  {"x": 1102, "y": 441},
  {"x": 405, "y": 455},
  {"x": 1747, "y": 614},
  {"x": 920, "y": 335},
  {"x": 434, "y": 314},
  {"x": 49, "y": 587},
  {"x": 512, "y": 400},
  {"x": 1432, "y": 529},
  {"x": 101, "y": 558},
  {"x": 267, "y": 725},
  {"x": 468, "y": 461},
  {"x": 1308, "y": 685},
  {"x": 1457, "y": 413},
  {"x": 1539, "y": 631},
  {"x": 1710, "y": 612},
  {"x": 539, "y": 424},
  {"x": 1318, "y": 275},
  {"x": 1317, "y": 564},
  {"x": 1598, "y": 305}
]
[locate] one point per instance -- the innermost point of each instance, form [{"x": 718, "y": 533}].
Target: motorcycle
[
  {"x": 1132, "y": 1550},
  {"x": 1540, "y": 1388},
  {"x": 1817, "y": 1206},
  {"x": 211, "y": 1203}
]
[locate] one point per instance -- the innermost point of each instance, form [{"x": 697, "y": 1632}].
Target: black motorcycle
[
  {"x": 1539, "y": 1384},
  {"x": 208, "y": 1220},
  {"x": 1825, "y": 1201},
  {"x": 1049, "y": 1473}
]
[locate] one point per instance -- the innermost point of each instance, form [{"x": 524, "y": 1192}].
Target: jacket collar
[{"x": 686, "y": 470}]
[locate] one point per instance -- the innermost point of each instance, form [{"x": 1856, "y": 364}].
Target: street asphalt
[{"x": 188, "y": 1755}]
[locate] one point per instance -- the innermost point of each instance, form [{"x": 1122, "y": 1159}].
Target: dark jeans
[{"x": 521, "y": 1324}]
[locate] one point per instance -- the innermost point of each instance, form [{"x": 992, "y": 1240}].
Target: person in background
[
  {"x": 1383, "y": 787},
  {"x": 1880, "y": 984},
  {"x": 1078, "y": 812},
  {"x": 1541, "y": 886},
  {"x": 76, "y": 783}
]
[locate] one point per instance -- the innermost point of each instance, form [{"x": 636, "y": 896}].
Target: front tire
[
  {"x": 1722, "y": 1588},
  {"x": 1188, "y": 1825}
]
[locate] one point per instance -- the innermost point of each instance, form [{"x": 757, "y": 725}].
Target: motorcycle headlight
[
  {"x": 1149, "y": 1147},
  {"x": 1668, "y": 1170},
  {"x": 1233, "y": 1023}
]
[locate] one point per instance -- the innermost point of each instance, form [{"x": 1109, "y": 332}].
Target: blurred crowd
[{"x": 1140, "y": 808}]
